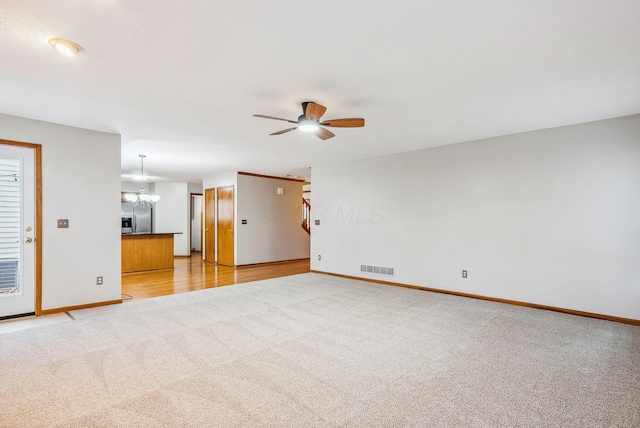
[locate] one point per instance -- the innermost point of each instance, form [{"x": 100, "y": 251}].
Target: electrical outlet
[
  {"x": 464, "y": 273},
  {"x": 319, "y": 257},
  {"x": 63, "y": 223},
  {"x": 99, "y": 280}
]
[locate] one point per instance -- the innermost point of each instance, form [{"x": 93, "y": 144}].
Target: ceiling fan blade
[
  {"x": 274, "y": 118},
  {"x": 344, "y": 123},
  {"x": 284, "y": 131},
  {"x": 313, "y": 111},
  {"x": 324, "y": 134}
]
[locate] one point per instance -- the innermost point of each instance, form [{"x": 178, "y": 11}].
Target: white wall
[
  {"x": 134, "y": 186},
  {"x": 81, "y": 182},
  {"x": 194, "y": 187},
  {"x": 221, "y": 180},
  {"x": 549, "y": 217},
  {"x": 172, "y": 215},
  {"x": 273, "y": 231}
]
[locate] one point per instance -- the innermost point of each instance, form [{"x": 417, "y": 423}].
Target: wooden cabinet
[{"x": 147, "y": 252}]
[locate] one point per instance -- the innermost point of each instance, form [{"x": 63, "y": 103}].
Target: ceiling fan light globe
[{"x": 308, "y": 127}]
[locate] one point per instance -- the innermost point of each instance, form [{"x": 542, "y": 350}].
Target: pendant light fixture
[{"x": 142, "y": 198}]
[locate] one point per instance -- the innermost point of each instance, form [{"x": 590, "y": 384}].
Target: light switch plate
[{"x": 63, "y": 223}]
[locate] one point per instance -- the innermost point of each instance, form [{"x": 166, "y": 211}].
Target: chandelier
[{"x": 143, "y": 198}]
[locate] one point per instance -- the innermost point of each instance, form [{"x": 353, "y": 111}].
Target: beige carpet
[{"x": 314, "y": 350}]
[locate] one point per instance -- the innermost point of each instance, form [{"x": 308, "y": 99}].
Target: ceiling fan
[{"x": 309, "y": 121}]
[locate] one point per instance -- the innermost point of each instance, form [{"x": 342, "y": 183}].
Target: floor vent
[{"x": 376, "y": 270}]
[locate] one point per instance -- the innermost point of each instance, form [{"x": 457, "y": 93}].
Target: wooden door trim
[
  {"x": 251, "y": 174},
  {"x": 38, "y": 166}
]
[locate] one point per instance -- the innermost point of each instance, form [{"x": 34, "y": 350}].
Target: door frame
[
  {"x": 191, "y": 213},
  {"x": 38, "y": 216},
  {"x": 209, "y": 234}
]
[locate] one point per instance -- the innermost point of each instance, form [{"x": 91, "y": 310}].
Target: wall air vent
[{"x": 376, "y": 270}]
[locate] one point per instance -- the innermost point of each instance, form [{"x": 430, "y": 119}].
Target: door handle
[
  {"x": 28, "y": 240},
  {"x": 231, "y": 231}
]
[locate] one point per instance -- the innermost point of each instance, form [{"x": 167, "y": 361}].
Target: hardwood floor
[{"x": 191, "y": 273}]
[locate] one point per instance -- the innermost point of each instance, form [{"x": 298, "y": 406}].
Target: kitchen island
[{"x": 147, "y": 251}]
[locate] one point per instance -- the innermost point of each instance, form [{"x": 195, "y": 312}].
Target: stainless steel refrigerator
[{"x": 136, "y": 219}]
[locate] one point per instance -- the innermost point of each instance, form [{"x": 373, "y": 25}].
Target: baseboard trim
[
  {"x": 492, "y": 299},
  {"x": 12, "y": 317},
  {"x": 271, "y": 263},
  {"x": 147, "y": 271},
  {"x": 74, "y": 308}
]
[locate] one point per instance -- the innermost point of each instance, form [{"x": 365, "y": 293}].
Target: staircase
[{"x": 306, "y": 208}]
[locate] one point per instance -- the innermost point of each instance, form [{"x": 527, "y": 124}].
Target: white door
[{"x": 17, "y": 231}]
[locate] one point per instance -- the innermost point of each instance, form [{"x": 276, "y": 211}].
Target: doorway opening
[
  {"x": 196, "y": 227},
  {"x": 20, "y": 249}
]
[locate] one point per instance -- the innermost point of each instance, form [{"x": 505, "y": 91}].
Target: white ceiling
[{"x": 180, "y": 81}]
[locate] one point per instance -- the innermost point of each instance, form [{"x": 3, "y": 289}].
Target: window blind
[{"x": 10, "y": 190}]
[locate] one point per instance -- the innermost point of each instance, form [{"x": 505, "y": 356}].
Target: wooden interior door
[
  {"x": 209, "y": 225},
  {"x": 225, "y": 226}
]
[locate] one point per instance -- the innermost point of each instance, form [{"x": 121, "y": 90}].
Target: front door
[
  {"x": 225, "y": 226},
  {"x": 17, "y": 231},
  {"x": 209, "y": 224}
]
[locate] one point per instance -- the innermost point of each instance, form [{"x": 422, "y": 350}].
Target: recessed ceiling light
[{"x": 66, "y": 47}]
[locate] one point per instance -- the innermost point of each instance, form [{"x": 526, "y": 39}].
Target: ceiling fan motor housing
[
  {"x": 302, "y": 119},
  {"x": 309, "y": 121}
]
